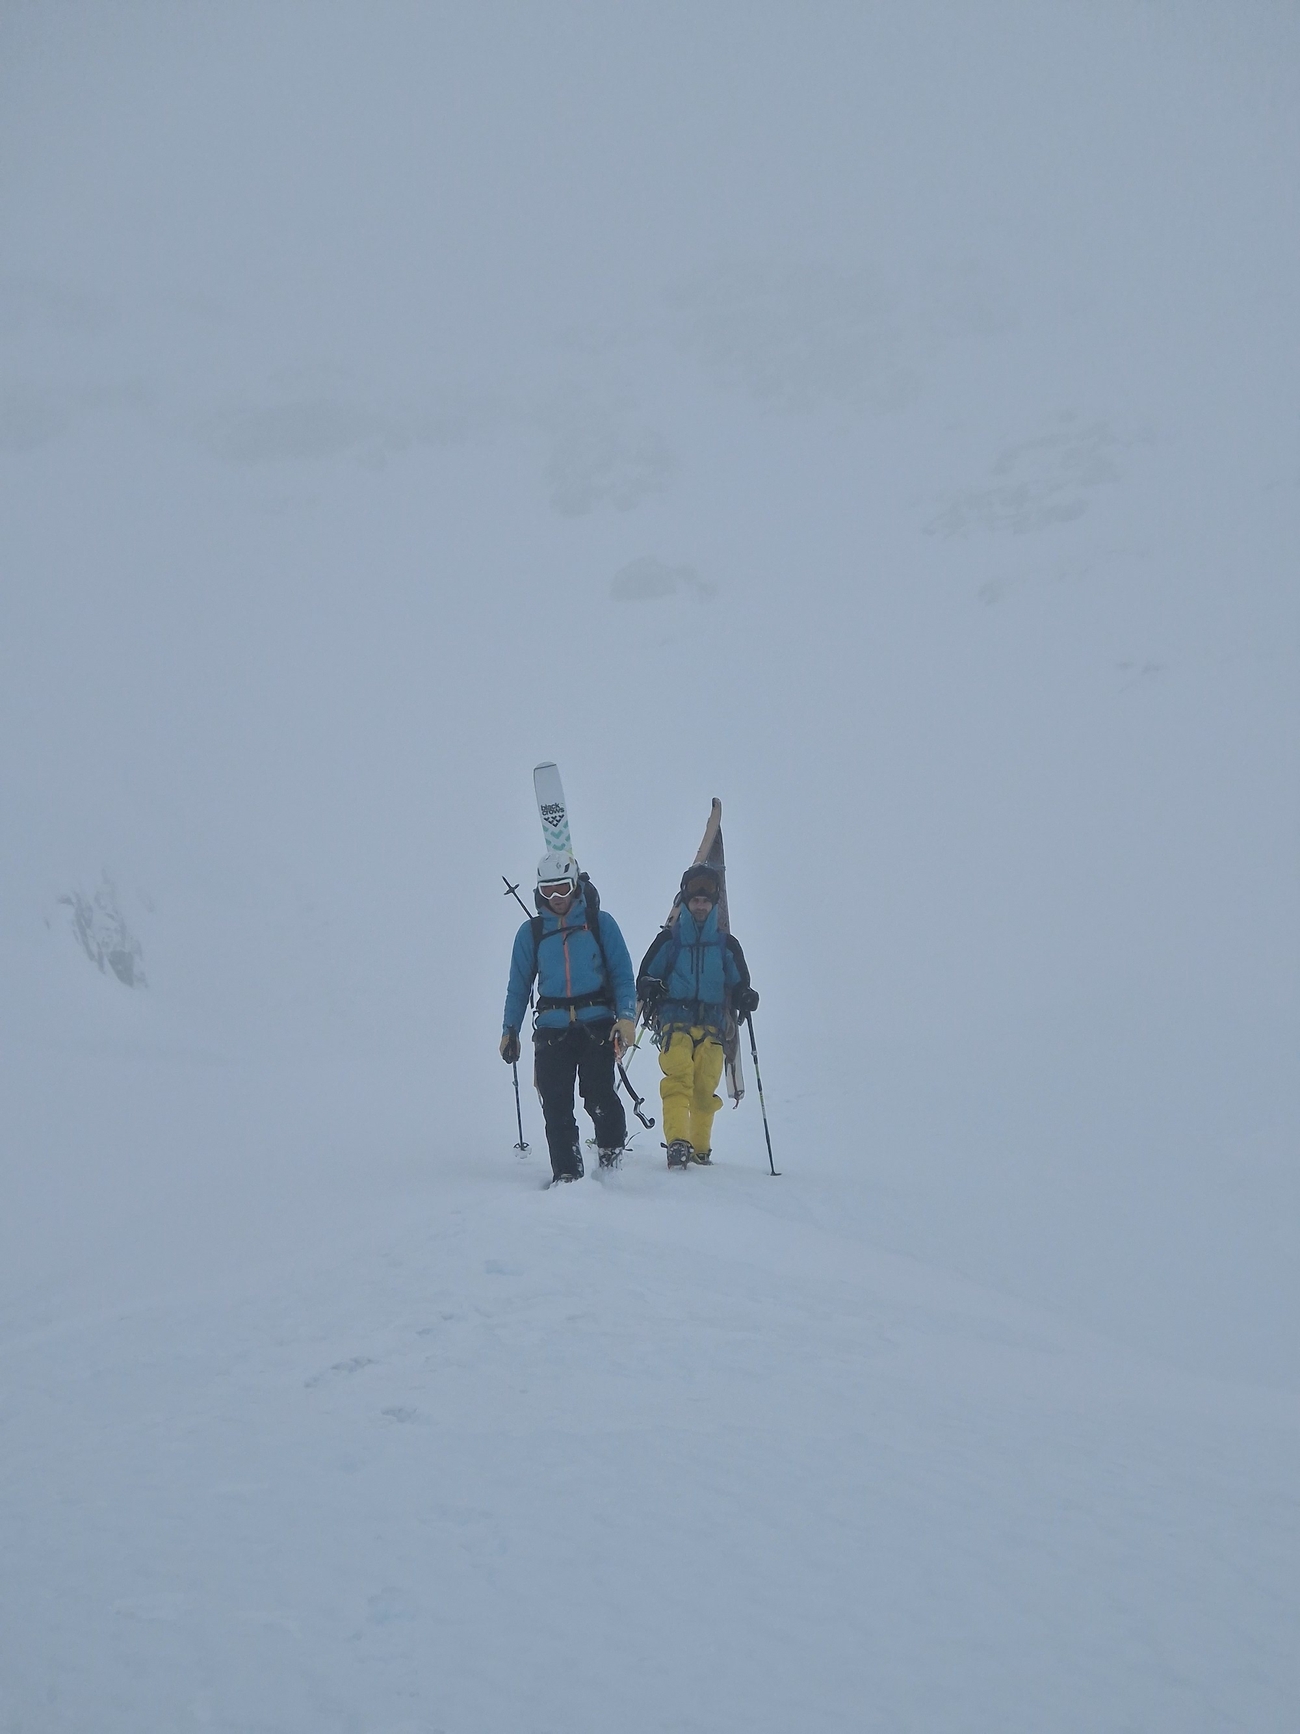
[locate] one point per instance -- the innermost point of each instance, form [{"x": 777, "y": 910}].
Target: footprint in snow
[{"x": 353, "y": 1366}]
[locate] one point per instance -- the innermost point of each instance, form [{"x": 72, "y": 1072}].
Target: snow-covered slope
[
  {"x": 653, "y": 1452},
  {"x": 883, "y": 418}
]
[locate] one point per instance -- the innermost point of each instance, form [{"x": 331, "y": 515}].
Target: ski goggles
[
  {"x": 556, "y": 888},
  {"x": 701, "y": 888}
]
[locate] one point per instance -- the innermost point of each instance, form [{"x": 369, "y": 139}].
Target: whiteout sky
[
  {"x": 884, "y": 417},
  {"x": 941, "y": 364}
]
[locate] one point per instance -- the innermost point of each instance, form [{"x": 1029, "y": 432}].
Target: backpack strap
[
  {"x": 572, "y": 1002},
  {"x": 592, "y": 899},
  {"x": 733, "y": 946},
  {"x": 672, "y": 951}
]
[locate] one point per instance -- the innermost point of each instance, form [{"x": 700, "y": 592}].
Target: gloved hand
[
  {"x": 624, "y": 1034},
  {"x": 510, "y": 1047},
  {"x": 745, "y": 1000},
  {"x": 649, "y": 990}
]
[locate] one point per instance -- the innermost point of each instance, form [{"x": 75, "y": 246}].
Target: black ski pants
[{"x": 581, "y": 1052}]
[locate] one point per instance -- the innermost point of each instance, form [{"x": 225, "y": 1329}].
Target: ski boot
[
  {"x": 613, "y": 1158},
  {"x": 700, "y": 1157},
  {"x": 574, "y": 1173},
  {"x": 679, "y": 1153}
]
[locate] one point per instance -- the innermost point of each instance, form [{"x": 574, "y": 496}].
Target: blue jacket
[
  {"x": 567, "y": 965},
  {"x": 708, "y": 964}
]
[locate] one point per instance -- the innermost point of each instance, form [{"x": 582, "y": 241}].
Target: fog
[{"x": 881, "y": 417}]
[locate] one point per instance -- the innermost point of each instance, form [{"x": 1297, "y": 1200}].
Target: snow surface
[
  {"x": 883, "y": 418},
  {"x": 651, "y": 1452}
]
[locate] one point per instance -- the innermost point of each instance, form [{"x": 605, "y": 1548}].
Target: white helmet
[{"x": 555, "y": 865}]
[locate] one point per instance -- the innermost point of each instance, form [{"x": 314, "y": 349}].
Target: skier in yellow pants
[{"x": 691, "y": 976}]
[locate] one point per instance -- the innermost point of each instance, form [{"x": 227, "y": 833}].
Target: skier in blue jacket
[
  {"x": 586, "y": 1011},
  {"x": 693, "y": 979}
]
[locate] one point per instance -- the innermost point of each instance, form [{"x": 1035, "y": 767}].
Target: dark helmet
[{"x": 701, "y": 880}]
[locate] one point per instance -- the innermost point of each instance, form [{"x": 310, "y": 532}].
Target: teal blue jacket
[
  {"x": 699, "y": 966},
  {"x": 567, "y": 965}
]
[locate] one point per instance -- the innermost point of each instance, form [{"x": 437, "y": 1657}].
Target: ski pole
[
  {"x": 758, "y": 1079},
  {"x": 523, "y": 1145}
]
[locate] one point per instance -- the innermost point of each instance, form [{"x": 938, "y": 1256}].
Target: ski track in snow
[{"x": 650, "y": 1452}]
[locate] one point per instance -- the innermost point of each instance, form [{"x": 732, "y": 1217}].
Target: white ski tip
[{"x": 552, "y": 809}]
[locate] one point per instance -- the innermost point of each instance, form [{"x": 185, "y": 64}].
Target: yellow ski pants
[{"x": 691, "y": 1063}]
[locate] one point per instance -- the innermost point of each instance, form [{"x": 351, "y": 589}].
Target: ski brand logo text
[{"x": 552, "y": 813}]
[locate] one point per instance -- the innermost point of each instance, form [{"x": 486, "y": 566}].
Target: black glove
[
  {"x": 745, "y": 1000},
  {"x": 510, "y": 1047},
  {"x": 649, "y": 990}
]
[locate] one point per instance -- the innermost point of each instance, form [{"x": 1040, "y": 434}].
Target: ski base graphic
[{"x": 552, "y": 809}]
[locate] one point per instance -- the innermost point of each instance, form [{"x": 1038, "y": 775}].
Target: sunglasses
[{"x": 556, "y": 888}]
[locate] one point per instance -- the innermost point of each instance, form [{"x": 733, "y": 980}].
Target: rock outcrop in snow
[{"x": 102, "y": 932}]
